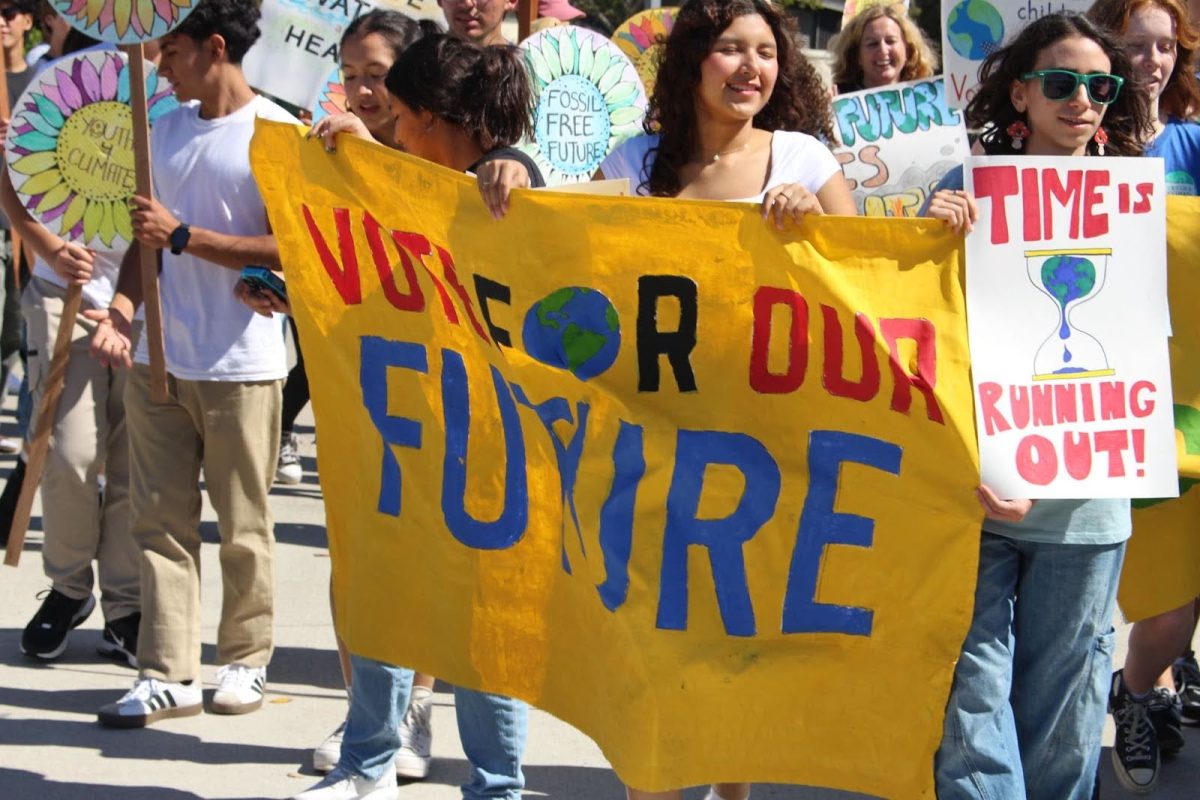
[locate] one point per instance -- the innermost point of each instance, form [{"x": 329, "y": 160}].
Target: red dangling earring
[
  {"x": 1101, "y": 139},
  {"x": 1018, "y": 132}
]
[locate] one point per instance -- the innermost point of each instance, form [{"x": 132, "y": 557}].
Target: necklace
[{"x": 717, "y": 155}]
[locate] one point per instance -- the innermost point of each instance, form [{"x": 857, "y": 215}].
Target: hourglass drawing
[{"x": 1069, "y": 278}]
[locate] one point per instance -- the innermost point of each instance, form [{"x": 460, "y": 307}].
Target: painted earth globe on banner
[
  {"x": 974, "y": 29},
  {"x": 574, "y": 328},
  {"x": 124, "y": 21}
]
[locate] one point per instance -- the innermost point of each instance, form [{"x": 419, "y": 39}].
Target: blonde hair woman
[{"x": 878, "y": 47}]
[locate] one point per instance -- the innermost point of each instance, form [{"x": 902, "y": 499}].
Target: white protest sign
[
  {"x": 1067, "y": 309},
  {"x": 300, "y": 38},
  {"x": 971, "y": 29},
  {"x": 897, "y": 143},
  {"x": 588, "y": 99}
]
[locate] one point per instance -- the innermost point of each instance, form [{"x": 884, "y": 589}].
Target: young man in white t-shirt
[{"x": 226, "y": 366}]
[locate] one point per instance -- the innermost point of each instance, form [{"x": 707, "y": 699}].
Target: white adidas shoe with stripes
[
  {"x": 240, "y": 689},
  {"x": 151, "y": 700}
]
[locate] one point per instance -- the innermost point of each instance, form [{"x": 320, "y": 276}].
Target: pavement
[{"x": 51, "y": 747}]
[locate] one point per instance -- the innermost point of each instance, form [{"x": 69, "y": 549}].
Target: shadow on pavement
[{"x": 21, "y": 784}]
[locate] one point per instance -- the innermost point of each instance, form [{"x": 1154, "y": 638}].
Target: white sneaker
[
  {"x": 289, "y": 470},
  {"x": 416, "y": 736},
  {"x": 151, "y": 700},
  {"x": 712, "y": 794},
  {"x": 240, "y": 689},
  {"x": 343, "y": 785},
  {"x": 327, "y": 754}
]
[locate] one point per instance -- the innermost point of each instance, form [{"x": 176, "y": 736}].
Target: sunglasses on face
[
  {"x": 1061, "y": 84},
  {"x": 9, "y": 13}
]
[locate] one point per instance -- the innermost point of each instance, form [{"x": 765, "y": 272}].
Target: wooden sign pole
[
  {"x": 47, "y": 414},
  {"x": 526, "y": 14},
  {"x": 149, "y": 257}
]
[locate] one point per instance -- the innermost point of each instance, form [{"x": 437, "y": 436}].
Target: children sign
[
  {"x": 645, "y": 449},
  {"x": 1067, "y": 300},
  {"x": 300, "y": 40},
  {"x": 897, "y": 143},
  {"x": 588, "y": 100},
  {"x": 971, "y": 29}
]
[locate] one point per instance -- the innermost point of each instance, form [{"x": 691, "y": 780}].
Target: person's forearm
[
  {"x": 128, "y": 294},
  {"x": 43, "y": 242},
  {"x": 233, "y": 252}
]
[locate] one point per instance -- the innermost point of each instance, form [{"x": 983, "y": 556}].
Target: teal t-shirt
[{"x": 1104, "y": 521}]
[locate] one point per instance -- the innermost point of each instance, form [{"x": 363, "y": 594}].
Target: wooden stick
[
  {"x": 47, "y": 413},
  {"x": 527, "y": 12},
  {"x": 151, "y": 301}
]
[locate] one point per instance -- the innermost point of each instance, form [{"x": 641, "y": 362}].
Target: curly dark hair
[
  {"x": 799, "y": 101},
  {"x": 482, "y": 90},
  {"x": 236, "y": 21},
  {"x": 1181, "y": 96},
  {"x": 1127, "y": 119}
]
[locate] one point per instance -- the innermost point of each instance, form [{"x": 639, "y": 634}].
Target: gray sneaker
[
  {"x": 329, "y": 752},
  {"x": 289, "y": 472},
  {"x": 416, "y": 736}
]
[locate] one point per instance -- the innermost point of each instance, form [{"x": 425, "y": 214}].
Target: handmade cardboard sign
[
  {"x": 70, "y": 146},
  {"x": 897, "y": 143},
  {"x": 300, "y": 39},
  {"x": 1067, "y": 303},
  {"x": 971, "y": 29},
  {"x": 588, "y": 100}
]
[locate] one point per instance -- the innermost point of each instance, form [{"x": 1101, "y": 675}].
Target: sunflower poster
[
  {"x": 70, "y": 146},
  {"x": 640, "y": 462},
  {"x": 642, "y": 38},
  {"x": 124, "y": 21},
  {"x": 588, "y": 99}
]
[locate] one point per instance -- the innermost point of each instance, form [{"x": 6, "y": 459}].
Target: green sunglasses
[{"x": 1060, "y": 84}]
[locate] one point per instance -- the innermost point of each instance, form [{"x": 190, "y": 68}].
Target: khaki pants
[
  {"x": 88, "y": 440},
  {"x": 231, "y": 430}
]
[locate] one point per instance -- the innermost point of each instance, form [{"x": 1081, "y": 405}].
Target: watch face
[{"x": 179, "y": 239}]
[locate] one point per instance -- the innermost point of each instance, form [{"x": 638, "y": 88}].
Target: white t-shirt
[
  {"x": 795, "y": 158},
  {"x": 202, "y": 175},
  {"x": 98, "y": 292}
]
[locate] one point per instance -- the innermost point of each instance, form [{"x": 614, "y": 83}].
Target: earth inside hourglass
[{"x": 1069, "y": 278}]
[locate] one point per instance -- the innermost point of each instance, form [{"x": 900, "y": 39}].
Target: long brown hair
[
  {"x": 799, "y": 102},
  {"x": 1181, "y": 97},
  {"x": 1127, "y": 119}
]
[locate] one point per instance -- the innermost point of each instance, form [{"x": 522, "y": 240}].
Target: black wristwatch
[{"x": 179, "y": 238}]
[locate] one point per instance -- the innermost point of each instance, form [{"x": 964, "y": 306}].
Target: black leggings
[{"x": 295, "y": 391}]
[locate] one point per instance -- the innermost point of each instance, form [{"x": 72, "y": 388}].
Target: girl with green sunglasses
[{"x": 1031, "y": 685}]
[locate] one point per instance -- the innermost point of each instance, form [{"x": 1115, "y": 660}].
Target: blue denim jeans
[
  {"x": 492, "y": 729},
  {"x": 1030, "y": 692}
]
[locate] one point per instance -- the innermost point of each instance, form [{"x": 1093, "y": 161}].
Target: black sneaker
[
  {"x": 1187, "y": 685},
  {"x": 120, "y": 639},
  {"x": 45, "y": 636},
  {"x": 1135, "y": 751},
  {"x": 1166, "y": 714}
]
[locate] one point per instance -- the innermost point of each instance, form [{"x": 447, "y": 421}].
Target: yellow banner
[
  {"x": 700, "y": 487},
  {"x": 1162, "y": 561}
]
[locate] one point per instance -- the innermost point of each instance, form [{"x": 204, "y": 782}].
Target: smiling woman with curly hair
[{"x": 738, "y": 113}]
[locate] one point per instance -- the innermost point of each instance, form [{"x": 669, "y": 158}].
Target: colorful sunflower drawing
[
  {"x": 332, "y": 99},
  {"x": 588, "y": 99},
  {"x": 70, "y": 146},
  {"x": 124, "y": 21},
  {"x": 641, "y": 37}
]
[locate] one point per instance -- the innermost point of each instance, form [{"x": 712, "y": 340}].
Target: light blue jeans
[
  {"x": 1030, "y": 692},
  {"x": 492, "y": 729}
]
